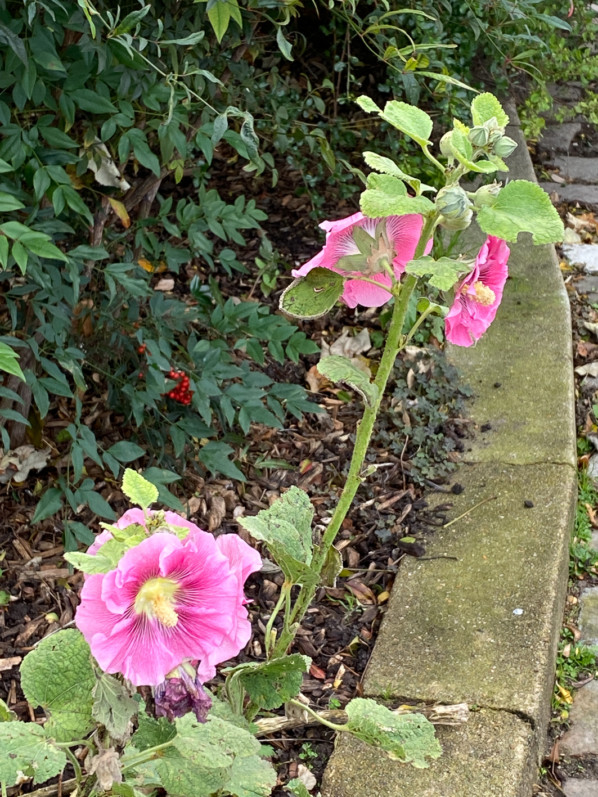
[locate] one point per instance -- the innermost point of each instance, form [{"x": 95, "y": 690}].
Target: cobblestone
[
  {"x": 584, "y": 195},
  {"x": 583, "y": 254},
  {"x": 583, "y": 170},
  {"x": 558, "y": 138},
  {"x": 582, "y": 738},
  {"x": 581, "y": 788},
  {"x": 588, "y": 618}
]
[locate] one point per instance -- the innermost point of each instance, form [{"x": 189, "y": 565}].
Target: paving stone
[
  {"x": 582, "y": 737},
  {"x": 588, "y": 617},
  {"x": 581, "y": 788},
  {"x": 558, "y": 138},
  {"x": 588, "y": 286},
  {"x": 585, "y": 255},
  {"x": 583, "y": 170},
  {"x": 584, "y": 195},
  {"x": 491, "y": 755}
]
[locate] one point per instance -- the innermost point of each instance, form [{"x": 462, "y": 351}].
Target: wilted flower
[
  {"x": 394, "y": 239},
  {"x": 168, "y": 601},
  {"x": 181, "y": 693},
  {"x": 479, "y": 294}
]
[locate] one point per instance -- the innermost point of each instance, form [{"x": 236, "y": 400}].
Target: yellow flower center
[
  {"x": 156, "y": 600},
  {"x": 483, "y": 294}
]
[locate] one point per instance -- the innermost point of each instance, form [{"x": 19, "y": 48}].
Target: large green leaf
[
  {"x": 340, "y": 369},
  {"x": 522, "y": 206},
  {"x": 59, "y": 676},
  {"x": 376, "y": 203},
  {"x": 26, "y": 750},
  {"x": 152, "y": 732},
  {"x": 314, "y": 295},
  {"x": 410, "y": 120},
  {"x": 409, "y": 738},
  {"x": 113, "y": 706}
]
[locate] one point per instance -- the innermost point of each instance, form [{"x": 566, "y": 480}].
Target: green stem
[
  {"x": 75, "y": 764},
  {"x": 146, "y": 755},
  {"x": 394, "y": 343},
  {"x": 284, "y": 591},
  {"x": 315, "y": 714},
  {"x": 433, "y": 160}
]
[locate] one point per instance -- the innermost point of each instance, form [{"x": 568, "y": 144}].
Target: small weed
[
  {"x": 334, "y": 703},
  {"x": 307, "y": 752},
  {"x": 574, "y": 663},
  {"x": 582, "y": 557}
]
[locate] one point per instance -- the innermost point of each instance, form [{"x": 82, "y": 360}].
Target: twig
[
  {"x": 471, "y": 508},
  {"x": 68, "y": 786},
  {"x": 438, "y": 715}
]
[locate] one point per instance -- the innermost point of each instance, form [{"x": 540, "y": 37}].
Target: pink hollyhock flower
[
  {"x": 168, "y": 601},
  {"x": 478, "y": 295},
  {"x": 397, "y": 245}
]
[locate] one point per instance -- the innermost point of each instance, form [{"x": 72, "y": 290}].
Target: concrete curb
[{"x": 480, "y": 622}]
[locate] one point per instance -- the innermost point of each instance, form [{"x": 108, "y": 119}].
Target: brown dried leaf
[{"x": 363, "y": 593}]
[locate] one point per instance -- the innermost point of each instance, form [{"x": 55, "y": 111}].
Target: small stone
[
  {"x": 582, "y": 737},
  {"x": 580, "y": 170},
  {"x": 592, "y": 469},
  {"x": 559, "y": 137},
  {"x": 583, "y": 254},
  {"x": 588, "y": 618},
  {"x": 580, "y": 788},
  {"x": 584, "y": 195},
  {"x": 528, "y": 504},
  {"x": 497, "y": 384}
]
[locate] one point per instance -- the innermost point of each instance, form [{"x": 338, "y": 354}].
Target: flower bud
[
  {"x": 445, "y": 145},
  {"x": 504, "y": 147},
  {"x": 479, "y": 136},
  {"x": 459, "y": 223},
  {"x": 452, "y": 202},
  {"x": 486, "y": 195}
]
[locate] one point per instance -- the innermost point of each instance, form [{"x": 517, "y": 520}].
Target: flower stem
[
  {"x": 317, "y": 716},
  {"x": 146, "y": 755},
  {"x": 394, "y": 343}
]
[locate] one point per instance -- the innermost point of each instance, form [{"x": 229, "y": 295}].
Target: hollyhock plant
[
  {"x": 394, "y": 239},
  {"x": 168, "y": 601},
  {"x": 478, "y": 296}
]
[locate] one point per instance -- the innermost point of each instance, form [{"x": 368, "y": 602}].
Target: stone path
[{"x": 580, "y": 184}]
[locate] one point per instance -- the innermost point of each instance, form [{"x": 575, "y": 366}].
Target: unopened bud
[
  {"x": 504, "y": 147},
  {"x": 486, "y": 195},
  {"x": 452, "y": 202},
  {"x": 460, "y": 223},
  {"x": 479, "y": 136},
  {"x": 445, "y": 145}
]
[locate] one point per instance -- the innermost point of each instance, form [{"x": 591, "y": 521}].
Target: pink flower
[
  {"x": 478, "y": 295},
  {"x": 397, "y": 245},
  {"x": 168, "y": 601}
]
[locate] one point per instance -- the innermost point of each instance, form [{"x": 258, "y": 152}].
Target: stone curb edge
[{"x": 479, "y": 621}]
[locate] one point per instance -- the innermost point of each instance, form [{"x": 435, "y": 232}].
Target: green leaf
[
  {"x": 340, "y": 369},
  {"x": 215, "y": 756},
  {"x": 285, "y": 527},
  {"x": 27, "y": 751},
  {"x": 89, "y": 563},
  {"x": 409, "y": 738},
  {"x": 7, "y": 36},
  {"x": 462, "y": 149},
  {"x": 6, "y": 715},
  {"x": 50, "y": 503},
  {"x": 484, "y": 107},
  {"x": 138, "y": 490},
  {"x": 216, "y": 457},
  {"x": 9, "y": 202},
  {"x": 367, "y": 104},
  {"x": 8, "y": 360},
  {"x": 443, "y": 272},
  {"x": 269, "y": 684},
  {"x": 377, "y": 203},
  {"x": 91, "y": 101},
  {"x": 522, "y": 206},
  {"x": 297, "y": 787},
  {"x": 333, "y": 565},
  {"x": 410, "y": 120},
  {"x": 284, "y": 45},
  {"x": 59, "y": 676},
  {"x": 314, "y": 295},
  {"x": 152, "y": 732},
  {"x": 113, "y": 706},
  {"x": 130, "y": 21},
  {"x": 388, "y": 166},
  {"x": 219, "y": 16},
  {"x": 126, "y": 451}
]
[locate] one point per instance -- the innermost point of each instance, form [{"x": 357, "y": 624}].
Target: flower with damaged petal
[{"x": 180, "y": 693}]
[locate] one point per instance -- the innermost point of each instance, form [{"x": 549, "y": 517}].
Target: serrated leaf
[
  {"x": 522, "y": 206},
  {"x": 113, "y": 706},
  {"x": 409, "y": 738},
  {"x": 138, "y": 490},
  {"x": 26, "y": 750},
  {"x": 375, "y": 203},
  {"x": 286, "y": 524},
  {"x": 270, "y": 684},
  {"x": 59, "y": 676},
  {"x": 443, "y": 273},
  {"x": 388, "y": 166},
  {"x": 314, "y": 295},
  {"x": 89, "y": 563},
  {"x": 391, "y": 185},
  {"x": 484, "y": 107},
  {"x": 410, "y": 120},
  {"x": 298, "y": 788},
  {"x": 6, "y": 714},
  {"x": 340, "y": 369},
  {"x": 251, "y": 777},
  {"x": 152, "y": 732}
]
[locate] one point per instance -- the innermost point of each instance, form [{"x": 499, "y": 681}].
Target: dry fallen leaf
[
  {"x": 306, "y": 777},
  {"x": 165, "y": 284},
  {"x": 362, "y": 592},
  {"x": 16, "y": 464},
  {"x": 348, "y": 345}
]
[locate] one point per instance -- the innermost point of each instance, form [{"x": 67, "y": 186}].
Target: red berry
[
  {"x": 140, "y": 375},
  {"x": 142, "y": 348}
]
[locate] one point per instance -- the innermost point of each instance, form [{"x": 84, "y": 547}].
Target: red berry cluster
[{"x": 180, "y": 392}]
